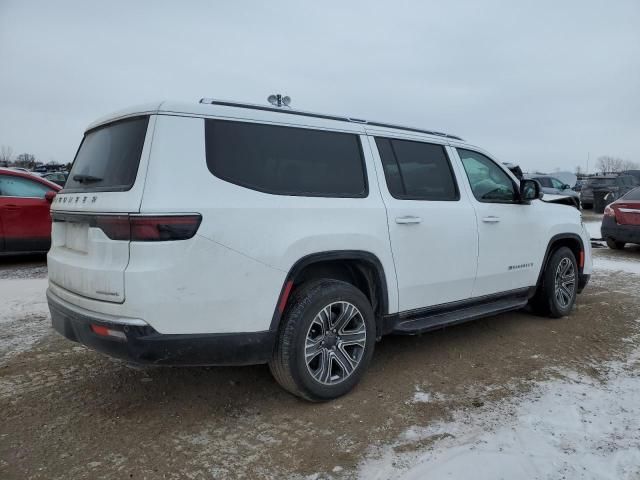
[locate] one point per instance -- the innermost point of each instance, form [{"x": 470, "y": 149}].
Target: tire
[
  {"x": 547, "y": 301},
  {"x": 613, "y": 244},
  {"x": 311, "y": 312}
]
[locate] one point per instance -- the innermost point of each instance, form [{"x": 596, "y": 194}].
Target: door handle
[
  {"x": 11, "y": 207},
  {"x": 408, "y": 220},
  {"x": 491, "y": 219}
]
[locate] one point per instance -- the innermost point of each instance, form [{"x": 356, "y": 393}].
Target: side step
[{"x": 442, "y": 316}]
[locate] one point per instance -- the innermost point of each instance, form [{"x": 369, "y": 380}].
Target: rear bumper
[
  {"x": 140, "y": 343},
  {"x": 620, "y": 233}
]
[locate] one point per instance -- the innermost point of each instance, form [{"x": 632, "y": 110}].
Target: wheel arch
[
  {"x": 358, "y": 267},
  {"x": 571, "y": 240}
]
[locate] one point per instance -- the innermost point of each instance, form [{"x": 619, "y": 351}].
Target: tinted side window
[
  {"x": 11, "y": 186},
  {"x": 488, "y": 181},
  {"x": 417, "y": 170},
  {"x": 286, "y": 160}
]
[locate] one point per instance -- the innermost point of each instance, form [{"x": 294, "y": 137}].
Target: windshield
[{"x": 108, "y": 157}]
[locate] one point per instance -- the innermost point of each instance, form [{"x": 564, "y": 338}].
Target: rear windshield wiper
[{"x": 86, "y": 178}]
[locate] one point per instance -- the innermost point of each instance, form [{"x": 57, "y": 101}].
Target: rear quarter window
[
  {"x": 108, "y": 157},
  {"x": 286, "y": 160}
]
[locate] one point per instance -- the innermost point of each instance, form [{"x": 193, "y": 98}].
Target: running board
[{"x": 458, "y": 312}]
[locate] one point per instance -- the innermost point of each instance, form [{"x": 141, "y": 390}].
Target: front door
[
  {"x": 431, "y": 222},
  {"x": 24, "y": 213},
  {"x": 509, "y": 231}
]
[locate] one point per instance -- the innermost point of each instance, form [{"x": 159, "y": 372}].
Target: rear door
[
  {"x": 24, "y": 214},
  {"x": 104, "y": 186},
  {"x": 432, "y": 224}
]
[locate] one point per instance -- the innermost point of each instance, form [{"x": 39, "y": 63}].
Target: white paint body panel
[{"x": 228, "y": 277}]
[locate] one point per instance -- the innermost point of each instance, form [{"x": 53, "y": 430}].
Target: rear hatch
[{"x": 90, "y": 239}]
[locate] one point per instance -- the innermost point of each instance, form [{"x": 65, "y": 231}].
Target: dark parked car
[
  {"x": 25, "y": 222},
  {"x": 621, "y": 221},
  {"x": 56, "y": 177},
  {"x": 618, "y": 185},
  {"x": 553, "y": 186}
]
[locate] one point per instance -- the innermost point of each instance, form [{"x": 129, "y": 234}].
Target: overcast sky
[{"x": 542, "y": 84}]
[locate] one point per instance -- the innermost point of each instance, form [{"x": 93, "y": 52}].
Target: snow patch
[
  {"x": 24, "y": 314},
  {"x": 421, "y": 397},
  {"x": 594, "y": 229},
  {"x": 19, "y": 297},
  {"x": 628, "y": 266},
  {"x": 574, "y": 427}
]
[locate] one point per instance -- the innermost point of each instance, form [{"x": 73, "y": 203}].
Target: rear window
[
  {"x": 108, "y": 157},
  {"x": 286, "y": 160},
  {"x": 633, "y": 195}
]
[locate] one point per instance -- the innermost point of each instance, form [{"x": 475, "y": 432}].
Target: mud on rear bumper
[{"x": 139, "y": 343}]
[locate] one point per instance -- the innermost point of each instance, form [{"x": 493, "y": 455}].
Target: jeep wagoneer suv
[{"x": 222, "y": 233}]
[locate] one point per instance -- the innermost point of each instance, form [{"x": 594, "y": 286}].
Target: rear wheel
[
  {"x": 557, "y": 293},
  {"x": 611, "y": 243},
  {"x": 325, "y": 342}
]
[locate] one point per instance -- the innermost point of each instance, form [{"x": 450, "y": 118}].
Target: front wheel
[
  {"x": 556, "y": 294},
  {"x": 325, "y": 341}
]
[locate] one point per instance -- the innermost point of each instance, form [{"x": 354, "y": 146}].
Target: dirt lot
[{"x": 67, "y": 412}]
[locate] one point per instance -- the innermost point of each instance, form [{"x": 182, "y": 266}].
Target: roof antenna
[{"x": 280, "y": 101}]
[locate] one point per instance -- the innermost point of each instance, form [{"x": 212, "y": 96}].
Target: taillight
[
  {"x": 138, "y": 228},
  {"x": 609, "y": 212},
  {"x": 116, "y": 227},
  {"x": 147, "y": 228},
  {"x": 163, "y": 228}
]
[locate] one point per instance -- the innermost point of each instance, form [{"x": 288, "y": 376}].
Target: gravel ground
[{"x": 68, "y": 412}]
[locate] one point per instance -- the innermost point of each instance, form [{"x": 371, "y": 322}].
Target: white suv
[{"x": 228, "y": 234}]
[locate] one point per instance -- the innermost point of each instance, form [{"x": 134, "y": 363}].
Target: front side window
[
  {"x": 489, "y": 183},
  {"x": 12, "y": 186},
  {"x": 286, "y": 160},
  {"x": 417, "y": 170}
]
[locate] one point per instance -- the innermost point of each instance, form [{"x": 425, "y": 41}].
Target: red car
[
  {"x": 621, "y": 221},
  {"x": 25, "y": 223}
]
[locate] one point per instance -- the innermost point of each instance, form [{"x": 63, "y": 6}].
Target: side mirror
[
  {"x": 49, "y": 196},
  {"x": 566, "y": 187},
  {"x": 530, "y": 190}
]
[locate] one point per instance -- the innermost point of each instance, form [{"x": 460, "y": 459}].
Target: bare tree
[
  {"x": 578, "y": 171},
  {"x": 608, "y": 164},
  {"x": 26, "y": 160},
  {"x": 6, "y": 153},
  {"x": 630, "y": 165}
]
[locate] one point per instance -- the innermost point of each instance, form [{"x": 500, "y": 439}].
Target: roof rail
[{"x": 212, "y": 101}]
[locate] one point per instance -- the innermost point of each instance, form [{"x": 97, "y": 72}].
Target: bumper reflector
[{"x": 108, "y": 332}]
